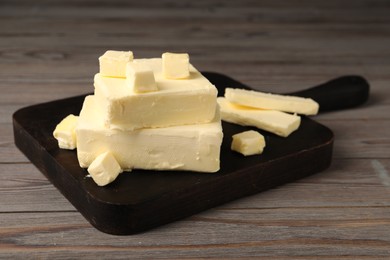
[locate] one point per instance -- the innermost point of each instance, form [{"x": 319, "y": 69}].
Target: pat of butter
[
  {"x": 177, "y": 102},
  {"x": 273, "y": 121},
  {"x": 65, "y": 132},
  {"x": 113, "y": 63},
  {"x": 104, "y": 169},
  {"x": 256, "y": 99},
  {"x": 176, "y": 65},
  {"x": 248, "y": 143},
  {"x": 188, "y": 147},
  {"x": 140, "y": 78}
]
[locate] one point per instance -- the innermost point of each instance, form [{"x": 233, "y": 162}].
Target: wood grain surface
[{"x": 49, "y": 50}]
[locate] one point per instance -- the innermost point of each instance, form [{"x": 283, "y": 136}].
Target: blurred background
[{"x": 271, "y": 45}]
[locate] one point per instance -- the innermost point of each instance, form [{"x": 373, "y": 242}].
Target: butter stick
[
  {"x": 257, "y": 99},
  {"x": 277, "y": 122}
]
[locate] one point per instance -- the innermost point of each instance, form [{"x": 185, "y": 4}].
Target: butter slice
[
  {"x": 189, "y": 147},
  {"x": 113, "y": 63},
  {"x": 177, "y": 102},
  {"x": 257, "y": 99},
  {"x": 140, "y": 78},
  {"x": 65, "y": 132},
  {"x": 248, "y": 143},
  {"x": 176, "y": 65},
  {"x": 104, "y": 169},
  {"x": 273, "y": 121}
]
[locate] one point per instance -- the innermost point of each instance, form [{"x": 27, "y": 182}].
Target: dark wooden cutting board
[{"x": 141, "y": 200}]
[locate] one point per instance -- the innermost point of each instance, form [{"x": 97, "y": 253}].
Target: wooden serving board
[{"x": 141, "y": 200}]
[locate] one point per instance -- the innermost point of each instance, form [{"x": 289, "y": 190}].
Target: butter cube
[
  {"x": 140, "y": 78},
  {"x": 104, "y": 169},
  {"x": 65, "y": 132},
  {"x": 248, "y": 143},
  {"x": 113, "y": 63},
  {"x": 176, "y": 65},
  {"x": 277, "y": 122}
]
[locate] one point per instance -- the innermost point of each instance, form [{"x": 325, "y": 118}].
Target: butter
[
  {"x": 176, "y": 65},
  {"x": 185, "y": 147},
  {"x": 113, "y": 63},
  {"x": 140, "y": 78},
  {"x": 273, "y": 121},
  {"x": 65, "y": 132},
  {"x": 104, "y": 169},
  {"x": 177, "y": 102},
  {"x": 256, "y": 99},
  {"x": 248, "y": 143}
]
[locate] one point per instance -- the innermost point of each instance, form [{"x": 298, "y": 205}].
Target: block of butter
[
  {"x": 248, "y": 143},
  {"x": 277, "y": 122},
  {"x": 177, "y": 102},
  {"x": 65, "y": 132},
  {"x": 292, "y": 104},
  {"x": 188, "y": 147}
]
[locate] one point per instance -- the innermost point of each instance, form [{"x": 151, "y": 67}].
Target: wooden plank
[
  {"x": 343, "y": 185},
  {"x": 227, "y": 9},
  {"x": 279, "y": 52},
  {"x": 8, "y": 152},
  {"x": 323, "y": 232},
  {"x": 255, "y": 226},
  {"x": 23, "y": 94},
  {"x": 355, "y": 138},
  {"x": 24, "y": 189}
]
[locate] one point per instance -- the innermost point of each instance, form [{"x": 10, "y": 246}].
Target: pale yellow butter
[
  {"x": 65, "y": 132},
  {"x": 104, "y": 169},
  {"x": 113, "y": 63},
  {"x": 257, "y": 99},
  {"x": 140, "y": 78},
  {"x": 277, "y": 122},
  {"x": 177, "y": 102},
  {"x": 248, "y": 143},
  {"x": 176, "y": 65},
  {"x": 185, "y": 147}
]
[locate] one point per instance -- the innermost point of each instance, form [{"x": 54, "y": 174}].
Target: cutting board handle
[{"x": 340, "y": 93}]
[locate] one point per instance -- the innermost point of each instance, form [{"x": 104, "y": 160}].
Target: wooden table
[{"x": 49, "y": 50}]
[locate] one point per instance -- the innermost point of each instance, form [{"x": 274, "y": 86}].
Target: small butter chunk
[
  {"x": 113, "y": 63},
  {"x": 176, "y": 65},
  {"x": 65, "y": 132},
  {"x": 104, "y": 169},
  {"x": 257, "y": 99},
  {"x": 248, "y": 143},
  {"x": 140, "y": 78},
  {"x": 277, "y": 122}
]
